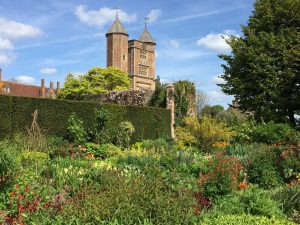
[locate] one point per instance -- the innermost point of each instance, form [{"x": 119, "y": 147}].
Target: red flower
[
  {"x": 19, "y": 196},
  {"x": 12, "y": 194}
]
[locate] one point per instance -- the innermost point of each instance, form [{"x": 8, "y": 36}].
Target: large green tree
[
  {"x": 263, "y": 70},
  {"x": 95, "y": 81}
]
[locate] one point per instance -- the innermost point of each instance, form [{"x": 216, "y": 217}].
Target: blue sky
[{"x": 48, "y": 39}]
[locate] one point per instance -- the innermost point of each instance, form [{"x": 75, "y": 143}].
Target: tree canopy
[
  {"x": 263, "y": 70},
  {"x": 95, "y": 81}
]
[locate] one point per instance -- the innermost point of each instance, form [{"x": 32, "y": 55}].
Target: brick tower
[
  {"x": 117, "y": 46},
  {"x": 142, "y": 61},
  {"x": 135, "y": 57}
]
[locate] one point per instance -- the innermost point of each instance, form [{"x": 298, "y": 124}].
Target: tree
[
  {"x": 263, "y": 70},
  {"x": 185, "y": 96},
  {"x": 201, "y": 101},
  {"x": 96, "y": 81},
  {"x": 158, "y": 98},
  {"x": 212, "y": 111}
]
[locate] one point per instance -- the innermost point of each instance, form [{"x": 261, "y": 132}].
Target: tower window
[
  {"x": 123, "y": 57},
  {"x": 143, "y": 54},
  {"x": 143, "y": 70}
]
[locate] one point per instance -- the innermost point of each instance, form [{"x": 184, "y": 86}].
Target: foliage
[
  {"x": 149, "y": 123},
  {"x": 158, "y": 98},
  {"x": 243, "y": 219},
  {"x": 289, "y": 197},
  {"x": 252, "y": 201},
  {"x": 185, "y": 97},
  {"x": 130, "y": 200},
  {"x": 222, "y": 176},
  {"x": 8, "y": 165},
  {"x": 76, "y": 131},
  {"x": 261, "y": 167},
  {"x": 203, "y": 133},
  {"x": 231, "y": 118},
  {"x": 125, "y": 131},
  {"x": 263, "y": 70},
  {"x": 272, "y": 133},
  {"x": 29, "y": 158},
  {"x": 96, "y": 81},
  {"x": 212, "y": 111}
]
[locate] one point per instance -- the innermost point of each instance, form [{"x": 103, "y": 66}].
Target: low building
[{"x": 18, "y": 89}]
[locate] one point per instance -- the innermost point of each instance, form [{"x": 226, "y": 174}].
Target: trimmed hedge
[{"x": 16, "y": 116}]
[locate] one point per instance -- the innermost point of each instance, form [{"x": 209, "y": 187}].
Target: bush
[
  {"x": 203, "y": 133},
  {"x": 271, "y": 133},
  {"x": 150, "y": 123},
  {"x": 222, "y": 176},
  {"x": 8, "y": 165},
  {"x": 32, "y": 158},
  {"x": 130, "y": 200},
  {"x": 76, "y": 131},
  {"x": 289, "y": 197},
  {"x": 125, "y": 131},
  {"x": 243, "y": 219},
  {"x": 252, "y": 200},
  {"x": 261, "y": 167}
]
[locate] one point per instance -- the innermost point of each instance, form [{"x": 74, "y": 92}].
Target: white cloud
[
  {"x": 216, "y": 95},
  {"x": 25, "y": 79},
  {"x": 154, "y": 15},
  {"x": 175, "y": 43},
  {"x": 13, "y": 30},
  {"x": 218, "y": 80},
  {"x": 48, "y": 71},
  {"x": 101, "y": 16},
  {"x": 6, "y": 58},
  {"x": 5, "y": 44},
  {"x": 216, "y": 41}
]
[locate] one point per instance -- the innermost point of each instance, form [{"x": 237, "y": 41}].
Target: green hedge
[{"x": 16, "y": 116}]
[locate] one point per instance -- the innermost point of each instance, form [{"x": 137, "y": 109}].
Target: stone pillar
[{"x": 171, "y": 106}]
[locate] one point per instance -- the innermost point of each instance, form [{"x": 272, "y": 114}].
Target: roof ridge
[
  {"x": 146, "y": 37},
  {"x": 117, "y": 27}
]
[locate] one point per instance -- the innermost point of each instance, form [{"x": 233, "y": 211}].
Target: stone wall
[{"x": 125, "y": 97}]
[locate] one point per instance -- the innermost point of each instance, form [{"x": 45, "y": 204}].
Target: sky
[{"x": 51, "y": 38}]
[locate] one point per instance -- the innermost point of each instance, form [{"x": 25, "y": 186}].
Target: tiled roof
[
  {"x": 18, "y": 89},
  {"x": 117, "y": 27},
  {"x": 146, "y": 37}
]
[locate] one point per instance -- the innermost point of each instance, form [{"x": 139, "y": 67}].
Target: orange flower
[{"x": 243, "y": 185}]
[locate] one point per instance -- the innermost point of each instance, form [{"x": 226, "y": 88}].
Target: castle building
[{"x": 135, "y": 57}]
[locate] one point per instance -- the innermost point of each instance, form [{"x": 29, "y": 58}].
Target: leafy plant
[
  {"x": 125, "y": 131},
  {"x": 76, "y": 131},
  {"x": 203, "y": 133},
  {"x": 222, "y": 176}
]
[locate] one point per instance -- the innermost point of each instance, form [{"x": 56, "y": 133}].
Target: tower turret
[{"x": 117, "y": 46}]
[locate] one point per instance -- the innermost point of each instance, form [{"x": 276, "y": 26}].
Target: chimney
[
  {"x": 43, "y": 89},
  {"x": 58, "y": 87},
  {"x": 0, "y": 74},
  {"x": 51, "y": 85}
]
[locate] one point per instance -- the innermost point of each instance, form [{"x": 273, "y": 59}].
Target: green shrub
[
  {"x": 271, "y": 133},
  {"x": 9, "y": 166},
  {"x": 31, "y": 158},
  {"x": 243, "y": 220},
  {"x": 76, "y": 131},
  {"x": 125, "y": 131},
  {"x": 261, "y": 167},
  {"x": 57, "y": 147},
  {"x": 289, "y": 197},
  {"x": 203, "y": 133},
  {"x": 160, "y": 145},
  {"x": 150, "y": 123},
  {"x": 252, "y": 201},
  {"x": 130, "y": 200},
  {"x": 222, "y": 176}
]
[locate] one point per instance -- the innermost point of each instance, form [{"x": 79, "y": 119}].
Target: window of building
[
  {"x": 6, "y": 89},
  {"x": 143, "y": 54},
  {"x": 143, "y": 70},
  {"x": 124, "y": 57}
]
